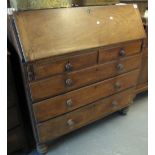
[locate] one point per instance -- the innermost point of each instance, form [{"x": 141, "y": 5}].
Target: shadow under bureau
[
  {"x": 17, "y": 137},
  {"x": 79, "y": 64}
]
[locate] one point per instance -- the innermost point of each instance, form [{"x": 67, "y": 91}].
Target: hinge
[{"x": 30, "y": 72}]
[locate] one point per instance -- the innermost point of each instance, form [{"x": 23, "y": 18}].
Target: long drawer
[
  {"x": 85, "y": 115},
  {"x": 117, "y": 52},
  {"x": 64, "y": 103},
  {"x": 49, "y": 67},
  {"x": 63, "y": 83}
]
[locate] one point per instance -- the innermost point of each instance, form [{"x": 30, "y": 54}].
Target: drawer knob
[
  {"x": 70, "y": 122},
  {"x": 68, "y": 67},
  {"x": 69, "y": 103},
  {"x": 114, "y": 103},
  {"x": 122, "y": 52},
  {"x": 117, "y": 85},
  {"x": 69, "y": 82},
  {"x": 120, "y": 67}
]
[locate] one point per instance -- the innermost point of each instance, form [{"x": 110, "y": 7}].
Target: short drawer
[
  {"x": 64, "y": 103},
  {"x": 53, "y": 66},
  {"x": 126, "y": 49},
  {"x": 66, "y": 123},
  {"x": 63, "y": 83}
]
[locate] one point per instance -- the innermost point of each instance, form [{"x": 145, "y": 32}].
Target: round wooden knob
[
  {"x": 120, "y": 67},
  {"x": 122, "y": 52},
  {"x": 68, "y": 67},
  {"x": 114, "y": 103},
  {"x": 70, "y": 122},
  {"x": 69, "y": 103},
  {"x": 117, "y": 85},
  {"x": 69, "y": 82}
]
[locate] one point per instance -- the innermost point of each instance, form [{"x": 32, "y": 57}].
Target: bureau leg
[
  {"x": 124, "y": 111},
  {"x": 42, "y": 148}
]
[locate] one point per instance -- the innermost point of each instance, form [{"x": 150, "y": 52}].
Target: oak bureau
[{"x": 79, "y": 65}]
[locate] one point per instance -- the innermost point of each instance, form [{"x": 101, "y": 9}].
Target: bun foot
[
  {"x": 124, "y": 111},
  {"x": 42, "y": 149}
]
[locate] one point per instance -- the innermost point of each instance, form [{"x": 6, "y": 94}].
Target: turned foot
[
  {"x": 124, "y": 111},
  {"x": 42, "y": 148}
]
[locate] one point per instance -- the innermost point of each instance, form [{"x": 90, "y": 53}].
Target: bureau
[{"x": 78, "y": 65}]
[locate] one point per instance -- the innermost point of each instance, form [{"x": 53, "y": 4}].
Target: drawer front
[
  {"x": 62, "y": 83},
  {"x": 108, "y": 54},
  {"x": 83, "y": 116},
  {"x": 12, "y": 118},
  {"x": 12, "y": 97},
  {"x": 64, "y": 103},
  {"x": 50, "y": 67}
]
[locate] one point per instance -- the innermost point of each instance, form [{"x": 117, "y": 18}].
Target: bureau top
[{"x": 51, "y": 32}]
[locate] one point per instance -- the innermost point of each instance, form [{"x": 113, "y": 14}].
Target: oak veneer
[
  {"x": 72, "y": 29},
  {"x": 42, "y": 89},
  {"x": 58, "y": 65},
  {"x": 75, "y": 62},
  {"x": 109, "y": 54},
  {"x": 83, "y": 116},
  {"x": 57, "y": 105}
]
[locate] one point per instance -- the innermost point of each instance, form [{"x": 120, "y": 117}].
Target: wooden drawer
[
  {"x": 108, "y": 54},
  {"x": 49, "y": 67},
  {"x": 12, "y": 118},
  {"x": 85, "y": 115},
  {"x": 62, "y": 83},
  {"x": 63, "y": 103}
]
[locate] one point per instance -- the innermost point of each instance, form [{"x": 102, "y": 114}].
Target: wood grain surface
[
  {"x": 53, "y": 66},
  {"x": 109, "y": 54},
  {"x": 66, "y": 123},
  {"x": 56, "y": 85},
  {"x": 45, "y": 33},
  {"x": 55, "y": 106}
]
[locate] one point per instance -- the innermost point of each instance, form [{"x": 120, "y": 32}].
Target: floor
[{"x": 114, "y": 135}]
